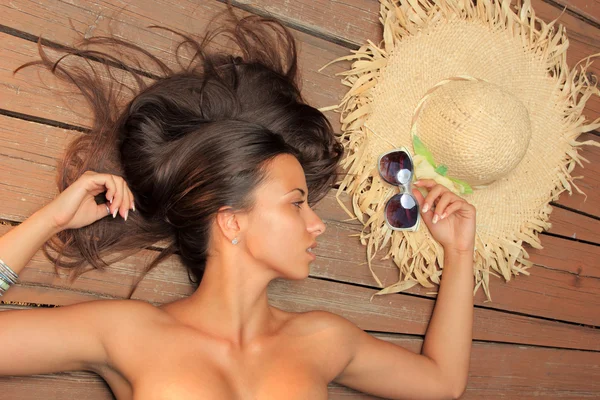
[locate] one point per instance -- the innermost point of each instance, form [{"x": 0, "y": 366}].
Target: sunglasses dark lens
[
  {"x": 402, "y": 211},
  {"x": 396, "y": 168}
]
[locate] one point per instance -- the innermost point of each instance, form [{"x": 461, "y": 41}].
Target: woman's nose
[{"x": 317, "y": 225}]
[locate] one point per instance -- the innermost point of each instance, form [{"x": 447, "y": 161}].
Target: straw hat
[{"x": 483, "y": 98}]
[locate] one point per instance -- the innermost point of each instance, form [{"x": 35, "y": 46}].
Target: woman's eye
[{"x": 298, "y": 203}]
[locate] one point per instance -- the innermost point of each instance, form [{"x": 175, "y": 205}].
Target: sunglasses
[{"x": 402, "y": 210}]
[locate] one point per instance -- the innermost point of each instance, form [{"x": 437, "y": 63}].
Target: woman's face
[{"x": 282, "y": 226}]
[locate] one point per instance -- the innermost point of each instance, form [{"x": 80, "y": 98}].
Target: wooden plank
[
  {"x": 68, "y": 385},
  {"x": 573, "y": 225},
  {"x": 496, "y": 371},
  {"x": 588, "y": 10},
  {"x": 568, "y": 272},
  {"x": 355, "y": 21},
  {"x": 590, "y": 184},
  {"x": 52, "y": 19},
  {"x": 394, "y": 313}
]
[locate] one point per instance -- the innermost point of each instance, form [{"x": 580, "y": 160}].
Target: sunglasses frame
[{"x": 404, "y": 189}]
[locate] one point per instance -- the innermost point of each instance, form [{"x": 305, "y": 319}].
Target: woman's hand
[
  {"x": 75, "y": 207},
  {"x": 454, "y": 226}
]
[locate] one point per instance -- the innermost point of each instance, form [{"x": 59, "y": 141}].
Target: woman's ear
[{"x": 229, "y": 223}]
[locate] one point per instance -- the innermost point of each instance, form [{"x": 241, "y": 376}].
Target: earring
[{"x": 235, "y": 241}]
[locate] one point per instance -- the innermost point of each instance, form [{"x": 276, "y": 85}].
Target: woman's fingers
[
  {"x": 126, "y": 205},
  {"x": 445, "y": 199},
  {"x": 426, "y": 183},
  {"x": 121, "y": 202},
  {"x": 132, "y": 205},
  {"x": 111, "y": 186},
  {"x": 451, "y": 208},
  {"x": 430, "y": 199},
  {"x": 118, "y": 194},
  {"x": 440, "y": 197}
]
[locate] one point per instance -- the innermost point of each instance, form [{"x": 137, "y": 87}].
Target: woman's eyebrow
[{"x": 300, "y": 190}]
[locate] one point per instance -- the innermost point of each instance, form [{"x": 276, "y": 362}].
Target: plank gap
[
  {"x": 483, "y": 307},
  {"x": 574, "y": 13},
  {"x": 416, "y": 336},
  {"x": 570, "y": 238},
  {"x": 42, "y": 121},
  {"x": 553, "y": 204},
  {"x": 48, "y": 43},
  {"x": 291, "y": 23}
]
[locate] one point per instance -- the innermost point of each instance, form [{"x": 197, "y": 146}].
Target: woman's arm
[
  {"x": 19, "y": 244},
  {"x": 450, "y": 331},
  {"x": 72, "y": 337},
  {"x": 45, "y": 340},
  {"x": 440, "y": 371}
]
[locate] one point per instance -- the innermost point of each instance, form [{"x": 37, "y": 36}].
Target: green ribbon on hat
[{"x": 442, "y": 170}]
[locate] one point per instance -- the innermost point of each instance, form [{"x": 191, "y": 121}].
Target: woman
[{"x": 223, "y": 159}]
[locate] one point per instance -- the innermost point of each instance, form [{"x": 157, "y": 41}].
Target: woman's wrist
[
  {"x": 459, "y": 258},
  {"x": 18, "y": 245},
  {"x": 46, "y": 221},
  {"x": 460, "y": 252}
]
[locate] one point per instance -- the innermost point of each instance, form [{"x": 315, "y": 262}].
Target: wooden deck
[{"x": 538, "y": 338}]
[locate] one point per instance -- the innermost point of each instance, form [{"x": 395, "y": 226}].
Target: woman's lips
[{"x": 311, "y": 249}]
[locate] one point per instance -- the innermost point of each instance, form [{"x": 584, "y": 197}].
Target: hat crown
[{"x": 475, "y": 128}]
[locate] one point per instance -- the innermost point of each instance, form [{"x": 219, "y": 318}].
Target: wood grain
[{"x": 53, "y": 19}]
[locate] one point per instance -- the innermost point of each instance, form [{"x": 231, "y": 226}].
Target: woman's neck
[{"x": 231, "y": 303}]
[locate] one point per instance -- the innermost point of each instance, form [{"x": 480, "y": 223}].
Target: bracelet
[
  {"x": 7, "y": 277},
  {"x": 3, "y": 287}
]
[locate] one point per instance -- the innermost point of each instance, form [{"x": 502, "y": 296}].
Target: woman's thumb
[{"x": 428, "y": 216}]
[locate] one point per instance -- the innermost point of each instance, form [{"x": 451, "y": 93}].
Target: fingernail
[
  {"x": 435, "y": 218},
  {"x": 111, "y": 201},
  {"x": 417, "y": 182},
  {"x": 443, "y": 216},
  {"x": 115, "y": 213},
  {"x": 133, "y": 206},
  {"x": 426, "y": 208},
  {"x": 126, "y": 214}
]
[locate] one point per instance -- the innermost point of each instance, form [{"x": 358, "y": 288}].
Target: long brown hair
[{"x": 188, "y": 142}]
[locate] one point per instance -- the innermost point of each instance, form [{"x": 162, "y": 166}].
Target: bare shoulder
[
  {"x": 322, "y": 326},
  {"x": 122, "y": 320},
  {"x": 123, "y": 311},
  {"x": 127, "y": 316},
  {"x": 331, "y": 339},
  {"x": 325, "y": 320}
]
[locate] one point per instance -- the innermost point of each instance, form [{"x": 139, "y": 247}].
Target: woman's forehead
[{"x": 285, "y": 174}]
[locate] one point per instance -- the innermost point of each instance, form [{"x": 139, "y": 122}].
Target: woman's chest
[
  {"x": 204, "y": 380},
  {"x": 165, "y": 367}
]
